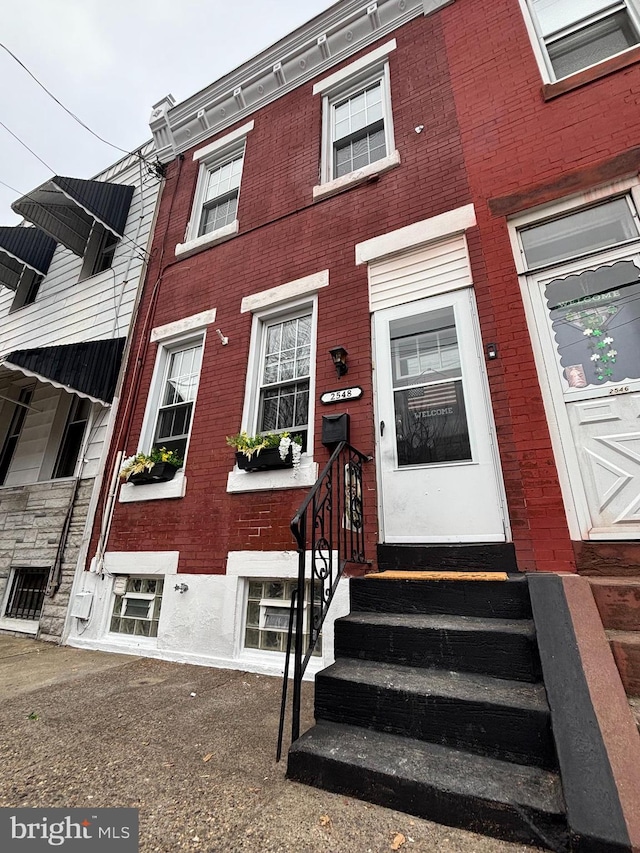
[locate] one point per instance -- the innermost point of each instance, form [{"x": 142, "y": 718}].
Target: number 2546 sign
[{"x": 341, "y": 395}]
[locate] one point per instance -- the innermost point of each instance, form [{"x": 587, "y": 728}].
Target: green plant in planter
[
  {"x": 283, "y": 442},
  {"x": 142, "y": 462}
]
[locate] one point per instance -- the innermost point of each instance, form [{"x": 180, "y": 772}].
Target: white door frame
[
  {"x": 488, "y": 412},
  {"x": 545, "y": 356}
]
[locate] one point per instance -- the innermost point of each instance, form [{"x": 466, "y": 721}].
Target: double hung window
[
  {"x": 358, "y": 129},
  {"x": 220, "y": 198},
  {"x": 357, "y": 121},
  {"x": 575, "y": 34},
  {"x": 214, "y": 215},
  {"x": 285, "y": 372},
  {"x": 177, "y": 396}
]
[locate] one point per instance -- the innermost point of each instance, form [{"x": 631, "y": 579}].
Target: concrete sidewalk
[{"x": 191, "y": 747}]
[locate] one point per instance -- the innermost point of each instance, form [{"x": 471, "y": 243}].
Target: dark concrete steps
[
  {"x": 503, "y": 648},
  {"x": 517, "y": 803},
  {"x": 508, "y": 720},
  {"x": 490, "y": 557},
  {"x": 490, "y": 599}
]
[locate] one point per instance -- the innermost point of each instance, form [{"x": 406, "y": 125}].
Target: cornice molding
[{"x": 330, "y": 38}]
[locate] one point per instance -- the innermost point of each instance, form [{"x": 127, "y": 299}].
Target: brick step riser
[
  {"x": 618, "y": 605},
  {"x": 510, "y": 734},
  {"x": 497, "y": 654},
  {"x": 419, "y": 798},
  {"x": 498, "y": 600},
  {"x": 627, "y": 657}
]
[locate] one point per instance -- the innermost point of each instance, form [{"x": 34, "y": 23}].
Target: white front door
[
  {"x": 437, "y": 461},
  {"x": 589, "y": 322}
]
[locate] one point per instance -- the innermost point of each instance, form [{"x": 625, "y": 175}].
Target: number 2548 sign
[{"x": 341, "y": 395}]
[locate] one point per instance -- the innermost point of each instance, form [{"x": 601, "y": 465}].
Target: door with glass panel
[
  {"x": 437, "y": 463},
  {"x": 587, "y": 310}
]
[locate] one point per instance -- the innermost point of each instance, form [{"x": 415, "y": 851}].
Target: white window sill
[
  {"x": 261, "y": 481},
  {"x": 176, "y": 488},
  {"x": 272, "y": 663},
  {"x": 20, "y": 626},
  {"x": 184, "y": 250},
  {"x": 354, "y": 178}
]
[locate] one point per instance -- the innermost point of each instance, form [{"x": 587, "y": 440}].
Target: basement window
[
  {"x": 136, "y": 609},
  {"x": 26, "y": 595},
  {"x": 267, "y": 616}
]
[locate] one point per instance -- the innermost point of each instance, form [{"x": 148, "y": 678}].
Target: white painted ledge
[
  {"x": 175, "y": 488},
  {"x": 215, "y": 148},
  {"x": 427, "y": 231},
  {"x": 285, "y": 292},
  {"x": 191, "y": 247},
  {"x": 20, "y": 626},
  {"x": 354, "y": 178},
  {"x": 180, "y": 327},
  {"x": 141, "y": 562},
  {"x": 354, "y": 68},
  {"x": 262, "y": 481}
]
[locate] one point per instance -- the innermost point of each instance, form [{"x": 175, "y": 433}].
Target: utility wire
[
  {"x": 60, "y": 104},
  {"x": 24, "y": 145}
]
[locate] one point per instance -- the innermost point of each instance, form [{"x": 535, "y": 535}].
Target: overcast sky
[{"x": 108, "y": 61}]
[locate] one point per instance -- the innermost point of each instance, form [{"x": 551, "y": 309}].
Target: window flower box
[
  {"x": 161, "y": 472},
  {"x": 159, "y": 466},
  {"x": 266, "y": 451},
  {"x": 267, "y": 460}
]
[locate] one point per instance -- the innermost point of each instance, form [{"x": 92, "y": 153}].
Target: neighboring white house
[{"x": 69, "y": 281}]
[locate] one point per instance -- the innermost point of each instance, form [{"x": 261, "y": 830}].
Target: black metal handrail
[{"x": 330, "y": 526}]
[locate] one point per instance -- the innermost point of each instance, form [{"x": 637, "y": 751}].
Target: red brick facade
[{"x": 469, "y": 75}]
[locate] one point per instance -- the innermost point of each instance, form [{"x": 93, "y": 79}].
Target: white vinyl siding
[
  {"x": 416, "y": 274},
  {"x": 68, "y": 310}
]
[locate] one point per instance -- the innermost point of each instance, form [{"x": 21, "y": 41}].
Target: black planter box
[
  {"x": 266, "y": 460},
  {"x": 161, "y": 472}
]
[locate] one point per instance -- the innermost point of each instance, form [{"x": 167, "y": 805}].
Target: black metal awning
[
  {"x": 89, "y": 369},
  {"x": 68, "y": 208},
  {"x": 23, "y": 247}
]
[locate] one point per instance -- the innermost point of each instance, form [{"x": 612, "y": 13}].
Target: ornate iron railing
[{"x": 329, "y": 532}]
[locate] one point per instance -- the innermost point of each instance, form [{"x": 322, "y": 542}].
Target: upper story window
[
  {"x": 27, "y": 290},
  {"x": 220, "y": 202},
  {"x": 575, "y": 34},
  {"x": 579, "y": 233},
  {"x": 100, "y": 251},
  {"x": 214, "y": 215},
  {"x": 357, "y": 134}
]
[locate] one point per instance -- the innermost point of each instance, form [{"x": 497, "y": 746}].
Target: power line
[
  {"x": 60, "y": 104},
  {"x": 24, "y": 145}
]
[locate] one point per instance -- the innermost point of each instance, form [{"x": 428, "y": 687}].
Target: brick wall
[
  {"x": 515, "y": 142},
  {"x": 284, "y": 236}
]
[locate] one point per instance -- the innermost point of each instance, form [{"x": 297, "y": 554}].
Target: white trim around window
[
  {"x": 357, "y": 123},
  {"x": 299, "y": 316},
  {"x": 178, "y": 366},
  {"x": 573, "y": 35},
  {"x": 214, "y": 215}
]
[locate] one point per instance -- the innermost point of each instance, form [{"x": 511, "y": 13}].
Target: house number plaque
[{"x": 341, "y": 395}]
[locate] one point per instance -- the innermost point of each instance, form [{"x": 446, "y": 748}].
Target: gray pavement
[{"x": 81, "y": 728}]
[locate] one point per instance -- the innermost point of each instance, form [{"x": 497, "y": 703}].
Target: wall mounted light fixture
[{"x": 339, "y": 358}]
